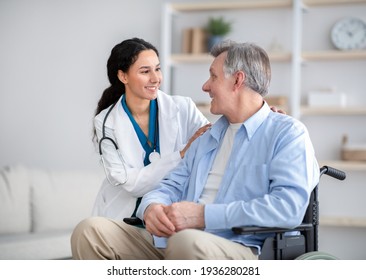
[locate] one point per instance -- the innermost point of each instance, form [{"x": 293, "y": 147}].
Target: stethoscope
[{"x": 152, "y": 157}]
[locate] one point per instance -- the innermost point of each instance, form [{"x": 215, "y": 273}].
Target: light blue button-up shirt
[{"x": 268, "y": 179}]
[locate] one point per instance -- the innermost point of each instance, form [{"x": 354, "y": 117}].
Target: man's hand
[
  {"x": 185, "y": 215},
  {"x": 157, "y": 222}
]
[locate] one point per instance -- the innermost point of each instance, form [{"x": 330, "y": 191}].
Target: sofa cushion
[
  {"x": 36, "y": 246},
  {"x": 15, "y": 213},
  {"x": 61, "y": 199}
]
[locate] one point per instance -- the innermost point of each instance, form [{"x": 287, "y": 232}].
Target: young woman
[{"x": 141, "y": 132}]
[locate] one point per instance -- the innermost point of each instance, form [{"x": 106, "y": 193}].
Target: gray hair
[{"x": 249, "y": 58}]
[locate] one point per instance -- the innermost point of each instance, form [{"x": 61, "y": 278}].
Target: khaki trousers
[{"x": 102, "y": 238}]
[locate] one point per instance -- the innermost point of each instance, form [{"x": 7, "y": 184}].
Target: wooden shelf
[
  {"x": 280, "y": 56},
  {"x": 345, "y": 165},
  {"x": 333, "y": 55},
  {"x": 332, "y": 2},
  {"x": 253, "y": 4},
  {"x": 191, "y": 58},
  {"x": 343, "y": 222},
  {"x": 205, "y": 57},
  {"x": 220, "y": 6},
  {"x": 337, "y": 111}
]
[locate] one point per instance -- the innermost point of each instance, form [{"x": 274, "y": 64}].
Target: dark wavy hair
[{"x": 123, "y": 55}]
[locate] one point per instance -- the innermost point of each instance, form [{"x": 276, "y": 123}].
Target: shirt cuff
[{"x": 215, "y": 217}]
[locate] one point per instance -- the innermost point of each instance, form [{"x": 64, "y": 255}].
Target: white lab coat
[{"x": 179, "y": 119}]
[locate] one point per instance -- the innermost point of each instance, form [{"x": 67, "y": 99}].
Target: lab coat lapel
[{"x": 168, "y": 124}]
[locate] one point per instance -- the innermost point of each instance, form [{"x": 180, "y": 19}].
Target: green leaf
[{"x": 218, "y": 26}]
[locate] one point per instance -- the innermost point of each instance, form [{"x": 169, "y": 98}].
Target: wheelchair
[{"x": 304, "y": 246}]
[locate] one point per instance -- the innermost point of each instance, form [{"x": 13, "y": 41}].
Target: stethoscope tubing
[
  {"x": 104, "y": 138},
  {"x": 103, "y": 131}
]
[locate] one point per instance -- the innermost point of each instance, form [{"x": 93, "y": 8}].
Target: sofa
[{"x": 39, "y": 209}]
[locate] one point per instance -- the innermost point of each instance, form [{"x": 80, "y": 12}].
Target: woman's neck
[
  {"x": 138, "y": 107},
  {"x": 140, "y": 110}
]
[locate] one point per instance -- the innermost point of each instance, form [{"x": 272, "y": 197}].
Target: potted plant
[{"x": 217, "y": 28}]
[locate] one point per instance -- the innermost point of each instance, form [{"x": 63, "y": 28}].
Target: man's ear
[
  {"x": 122, "y": 76},
  {"x": 239, "y": 79}
]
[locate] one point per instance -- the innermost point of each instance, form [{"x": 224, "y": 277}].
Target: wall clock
[{"x": 349, "y": 34}]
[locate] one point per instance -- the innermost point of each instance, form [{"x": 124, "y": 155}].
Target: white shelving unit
[
  {"x": 335, "y": 56},
  {"x": 296, "y": 58}
]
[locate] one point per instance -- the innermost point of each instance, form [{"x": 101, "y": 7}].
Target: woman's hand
[
  {"x": 198, "y": 133},
  {"x": 276, "y": 110}
]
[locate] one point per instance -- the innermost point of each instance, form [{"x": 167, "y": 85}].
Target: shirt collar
[
  {"x": 251, "y": 125},
  {"x": 254, "y": 122}
]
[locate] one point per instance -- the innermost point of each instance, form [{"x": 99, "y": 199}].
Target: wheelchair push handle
[{"x": 333, "y": 172}]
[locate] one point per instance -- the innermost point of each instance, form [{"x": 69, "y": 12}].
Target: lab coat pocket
[{"x": 251, "y": 181}]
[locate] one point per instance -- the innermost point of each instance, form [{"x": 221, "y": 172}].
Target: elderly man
[{"x": 253, "y": 167}]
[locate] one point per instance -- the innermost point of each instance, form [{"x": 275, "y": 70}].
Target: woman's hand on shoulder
[
  {"x": 198, "y": 133},
  {"x": 277, "y": 110}
]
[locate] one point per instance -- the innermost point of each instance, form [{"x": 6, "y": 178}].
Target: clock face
[{"x": 349, "y": 34}]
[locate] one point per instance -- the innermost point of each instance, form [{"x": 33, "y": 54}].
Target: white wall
[{"x": 53, "y": 58}]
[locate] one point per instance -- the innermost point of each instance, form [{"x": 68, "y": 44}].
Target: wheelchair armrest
[
  {"x": 133, "y": 221},
  {"x": 257, "y": 230}
]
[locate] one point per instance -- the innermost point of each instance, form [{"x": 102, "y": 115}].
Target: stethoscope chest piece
[{"x": 154, "y": 156}]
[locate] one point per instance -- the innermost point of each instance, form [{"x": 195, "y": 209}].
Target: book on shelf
[
  {"x": 187, "y": 40},
  {"x": 194, "y": 40}
]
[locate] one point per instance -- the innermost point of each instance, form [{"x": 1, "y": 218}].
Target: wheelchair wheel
[{"x": 316, "y": 256}]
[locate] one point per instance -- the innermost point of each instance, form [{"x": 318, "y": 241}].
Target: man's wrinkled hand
[
  {"x": 185, "y": 215},
  {"x": 157, "y": 222}
]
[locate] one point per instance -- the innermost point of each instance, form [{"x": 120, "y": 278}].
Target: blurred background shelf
[
  {"x": 331, "y": 2},
  {"x": 207, "y": 58},
  {"x": 333, "y": 55},
  {"x": 343, "y": 222},
  {"x": 229, "y": 5},
  {"x": 345, "y": 165},
  {"x": 339, "y": 111}
]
